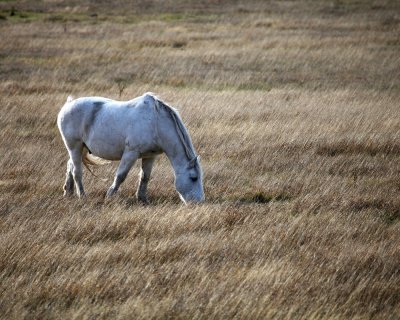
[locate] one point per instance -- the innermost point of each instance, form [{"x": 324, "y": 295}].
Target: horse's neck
[{"x": 171, "y": 143}]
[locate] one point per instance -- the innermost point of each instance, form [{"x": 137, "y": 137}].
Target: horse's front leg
[
  {"x": 144, "y": 177},
  {"x": 127, "y": 161}
]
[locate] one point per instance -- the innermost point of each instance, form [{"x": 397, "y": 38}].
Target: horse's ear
[{"x": 192, "y": 162}]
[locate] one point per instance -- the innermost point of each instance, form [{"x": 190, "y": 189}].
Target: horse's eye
[{"x": 193, "y": 179}]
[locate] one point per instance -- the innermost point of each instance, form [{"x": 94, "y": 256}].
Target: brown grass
[{"x": 294, "y": 109}]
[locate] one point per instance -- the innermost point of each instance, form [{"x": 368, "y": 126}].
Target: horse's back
[
  {"x": 107, "y": 126},
  {"x": 85, "y": 112}
]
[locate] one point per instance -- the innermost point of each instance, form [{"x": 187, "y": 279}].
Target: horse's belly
[
  {"x": 112, "y": 148},
  {"x": 109, "y": 149}
]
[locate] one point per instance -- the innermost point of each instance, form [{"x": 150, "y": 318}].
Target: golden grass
[{"x": 294, "y": 109}]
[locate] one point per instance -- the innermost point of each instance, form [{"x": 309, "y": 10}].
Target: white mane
[{"x": 180, "y": 127}]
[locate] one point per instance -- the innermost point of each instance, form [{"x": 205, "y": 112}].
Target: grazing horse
[{"x": 127, "y": 130}]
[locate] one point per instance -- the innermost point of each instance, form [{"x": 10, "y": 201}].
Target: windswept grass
[{"x": 294, "y": 109}]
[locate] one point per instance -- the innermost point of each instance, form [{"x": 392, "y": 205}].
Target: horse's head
[{"x": 189, "y": 182}]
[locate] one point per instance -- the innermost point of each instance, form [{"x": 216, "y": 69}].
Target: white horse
[{"x": 140, "y": 128}]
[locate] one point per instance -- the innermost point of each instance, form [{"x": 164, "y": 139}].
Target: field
[{"x": 294, "y": 108}]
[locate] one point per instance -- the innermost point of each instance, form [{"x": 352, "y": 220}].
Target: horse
[{"x": 97, "y": 129}]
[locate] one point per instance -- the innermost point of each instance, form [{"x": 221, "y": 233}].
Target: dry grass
[{"x": 294, "y": 108}]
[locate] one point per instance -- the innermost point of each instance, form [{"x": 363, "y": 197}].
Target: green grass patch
[
  {"x": 17, "y": 16},
  {"x": 21, "y": 16},
  {"x": 188, "y": 17},
  {"x": 252, "y": 86}
]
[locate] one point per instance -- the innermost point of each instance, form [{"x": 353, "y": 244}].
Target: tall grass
[{"x": 294, "y": 109}]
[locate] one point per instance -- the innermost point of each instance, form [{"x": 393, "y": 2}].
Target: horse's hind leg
[
  {"x": 144, "y": 177},
  {"x": 69, "y": 181},
  {"x": 76, "y": 159},
  {"x": 127, "y": 161}
]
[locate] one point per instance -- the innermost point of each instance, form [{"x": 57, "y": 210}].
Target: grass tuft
[
  {"x": 263, "y": 197},
  {"x": 370, "y": 148},
  {"x": 388, "y": 210}
]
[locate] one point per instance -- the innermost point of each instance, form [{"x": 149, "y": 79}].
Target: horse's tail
[{"x": 90, "y": 160}]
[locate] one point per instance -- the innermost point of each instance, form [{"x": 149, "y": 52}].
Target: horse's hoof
[
  {"x": 143, "y": 201},
  {"x": 110, "y": 193}
]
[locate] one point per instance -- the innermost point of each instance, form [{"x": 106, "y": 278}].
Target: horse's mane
[{"x": 180, "y": 127}]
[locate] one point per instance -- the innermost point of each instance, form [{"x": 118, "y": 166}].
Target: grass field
[{"x": 294, "y": 107}]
